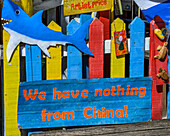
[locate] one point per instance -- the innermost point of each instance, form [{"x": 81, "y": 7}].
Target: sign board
[
  {"x": 58, "y": 103},
  {"x": 72, "y": 7}
]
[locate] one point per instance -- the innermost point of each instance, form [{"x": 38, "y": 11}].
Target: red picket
[
  {"x": 154, "y": 65},
  {"x": 96, "y": 45},
  {"x": 104, "y": 18}
]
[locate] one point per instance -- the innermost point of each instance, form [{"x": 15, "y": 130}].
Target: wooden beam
[{"x": 45, "y": 5}]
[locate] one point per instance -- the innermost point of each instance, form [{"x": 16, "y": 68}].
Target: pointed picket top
[
  {"x": 96, "y": 22},
  {"x": 117, "y": 66},
  {"x": 137, "y": 47},
  {"x": 158, "y": 19},
  {"x": 139, "y": 22},
  {"x": 54, "y": 64},
  {"x": 72, "y": 26},
  {"x": 96, "y": 45},
  {"x": 74, "y": 56},
  {"x": 83, "y": 19},
  {"x": 54, "y": 26},
  {"x": 118, "y": 24}
]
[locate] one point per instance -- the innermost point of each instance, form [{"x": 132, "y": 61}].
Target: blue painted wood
[
  {"x": 33, "y": 63},
  {"x": 168, "y": 94},
  {"x": 137, "y": 47},
  {"x": 84, "y": 18},
  {"x": 74, "y": 56},
  {"x": 31, "y": 115}
]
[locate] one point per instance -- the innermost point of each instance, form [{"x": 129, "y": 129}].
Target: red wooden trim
[
  {"x": 155, "y": 64},
  {"x": 156, "y": 101}
]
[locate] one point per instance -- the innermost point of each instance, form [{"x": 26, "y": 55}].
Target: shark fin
[
  {"x": 79, "y": 36},
  {"x": 82, "y": 31},
  {"x": 38, "y": 16},
  {"x": 12, "y": 44}
]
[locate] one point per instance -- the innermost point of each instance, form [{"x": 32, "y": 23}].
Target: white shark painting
[{"x": 31, "y": 30}]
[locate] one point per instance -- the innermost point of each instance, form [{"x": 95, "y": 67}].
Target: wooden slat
[
  {"x": 84, "y": 18},
  {"x": 117, "y": 63},
  {"x": 104, "y": 18},
  {"x": 33, "y": 53},
  {"x": 96, "y": 45},
  {"x": 45, "y": 5},
  {"x": 156, "y": 101},
  {"x": 153, "y": 64},
  {"x": 12, "y": 79},
  {"x": 168, "y": 94},
  {"x": 85, "y": 63},
  {"x": 81, "y": 97},
  {"x": 137, "y": 48},
  {"x": 33, "y": 63},
  {"x": 11, "y": 88},
  {"x": 54, "y": 64},
  {"x": 74, "y": 56},
  {"x": 155, "y": 42}
]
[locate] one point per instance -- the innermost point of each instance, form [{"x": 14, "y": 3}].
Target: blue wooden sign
[
  {"x": 137, "y": 47},
  {"x": 58, "y": 103}
]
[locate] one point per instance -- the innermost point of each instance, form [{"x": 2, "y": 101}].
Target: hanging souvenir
[{"x": 120, "y": 42}]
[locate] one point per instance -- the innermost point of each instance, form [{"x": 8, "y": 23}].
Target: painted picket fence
[{"x": 128, "y": 103}]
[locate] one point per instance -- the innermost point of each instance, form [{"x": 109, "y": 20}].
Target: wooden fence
[{"x": 82, "y": 66}]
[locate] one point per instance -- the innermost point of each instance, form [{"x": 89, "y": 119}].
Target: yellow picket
[
  {"x": 11, "y": 88},
  {"x": 117, "y": 63},
  {"x": 12, "y": 79},
  {"x": 54, "y": 64}
]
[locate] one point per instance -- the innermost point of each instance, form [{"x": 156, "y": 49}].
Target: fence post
[
  {"x": 33, "y": 63},
  {"x": 74, "y": 56},
  {"x": 96, "y": 45},
  {"x": 12, "y": 79},
  {"x": 104, "y": 17},
  {"x": 11, "y": 88},
  {"x": 168, "y": 94},
  {"x": 85, "y": 63},
  {"x": 137, "y": 47},
  {"x": 154, "y": 65},
  {"x": 54, "y": 64},
  {"x": 117, "y": 63}
]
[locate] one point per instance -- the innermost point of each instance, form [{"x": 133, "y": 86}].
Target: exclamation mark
[{"x": 125, "y": 107}]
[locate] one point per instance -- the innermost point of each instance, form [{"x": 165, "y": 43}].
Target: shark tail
[{"x": 79, "y": 36}]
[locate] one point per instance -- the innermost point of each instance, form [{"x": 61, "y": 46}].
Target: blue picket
[
  {"x": 137, "y": 47},
  {"x": 84, "y": 18},
  {"x": 168, "y": 94},
  {"x": 33, "y": 63},
  {"x": 74, "y": 56}
]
